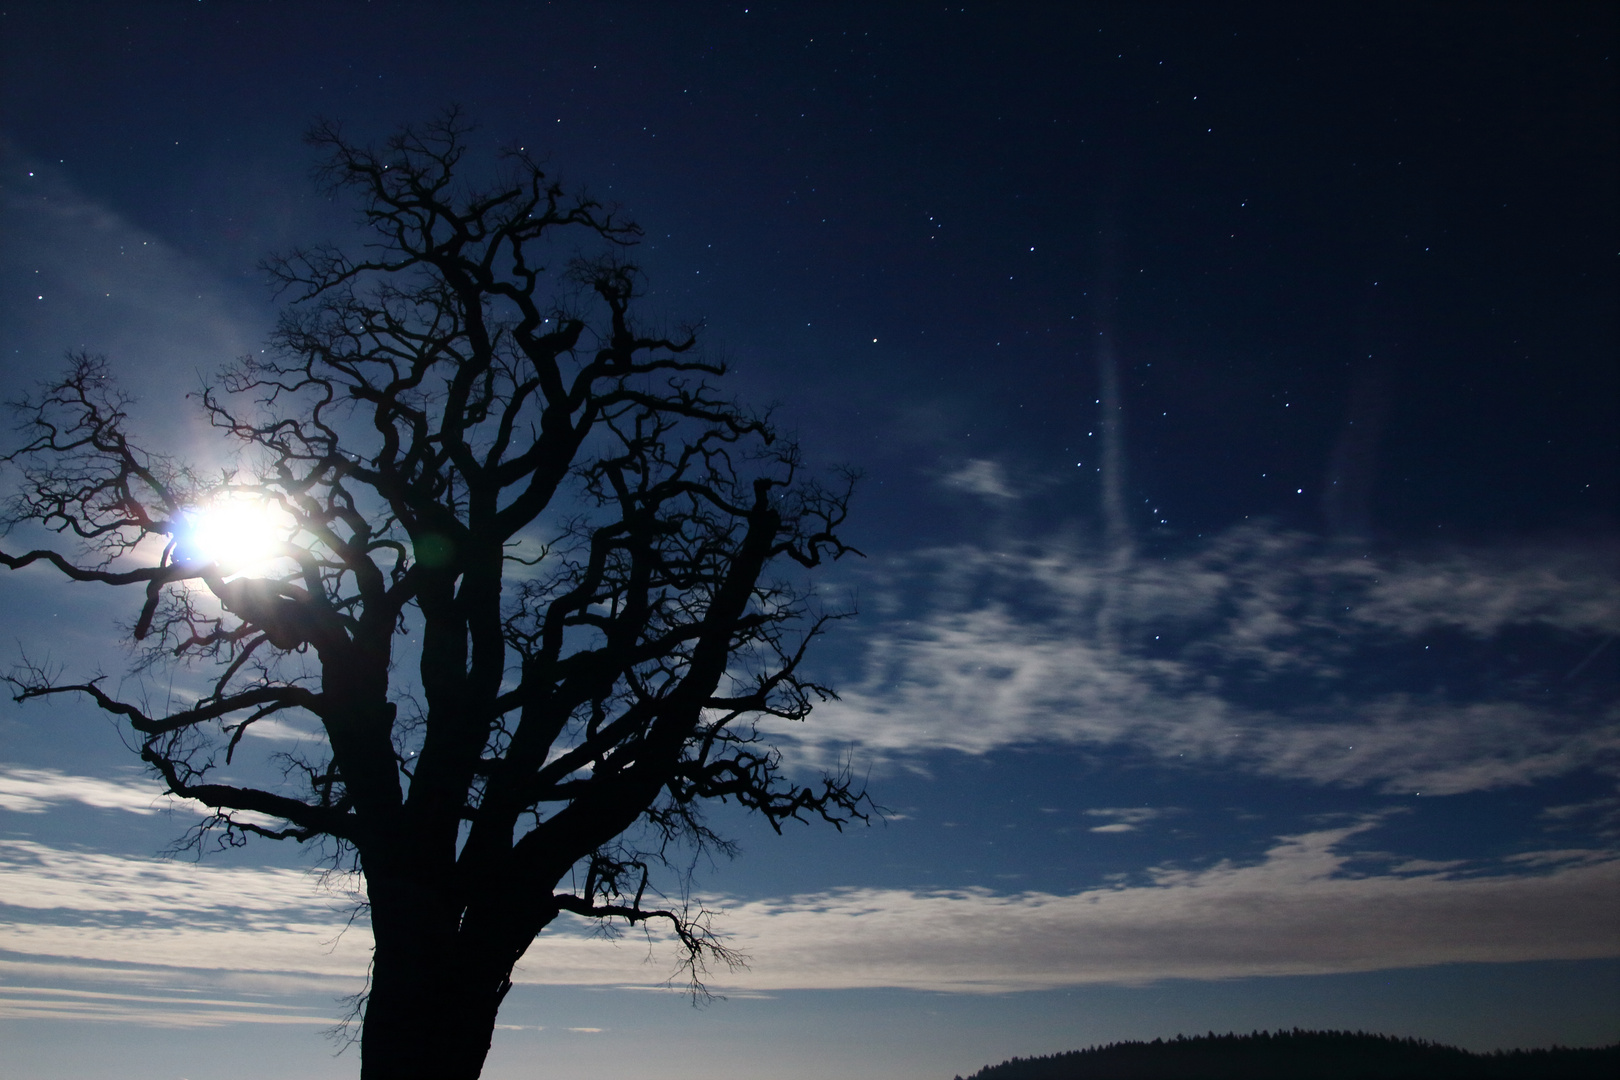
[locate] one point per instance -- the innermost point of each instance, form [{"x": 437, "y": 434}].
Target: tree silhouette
[{"x": 462, "y": 440}]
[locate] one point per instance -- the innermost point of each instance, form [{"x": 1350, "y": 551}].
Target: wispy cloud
[
  {"x": 1123, "y": 818},
  {"x": 1309, "y": 906},
  {"x": 86, "y": 277},
  {"x": 151, "y": 1006},
  {"x": 274, "y": 729},
  {"x": 40, "y": 877},
  {"x": 1264, "y": 650},
  {"x": 981, "y": 477},
  {"x": 169, "y": 942},
  {"x": 1296, "y": 912},
  {"x": 32, "y": 791}
]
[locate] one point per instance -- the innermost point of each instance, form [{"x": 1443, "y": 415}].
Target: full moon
[{"x": 236, "y": 532}]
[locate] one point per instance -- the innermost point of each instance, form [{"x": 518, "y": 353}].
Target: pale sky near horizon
[{"x": 1318, "y": 726}]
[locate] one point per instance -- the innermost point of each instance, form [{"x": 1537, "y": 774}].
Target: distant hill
[{"x": 1305, "y": 1055}]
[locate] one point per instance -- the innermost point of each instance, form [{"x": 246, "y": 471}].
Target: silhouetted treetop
[{"x": 467, "y": 454}]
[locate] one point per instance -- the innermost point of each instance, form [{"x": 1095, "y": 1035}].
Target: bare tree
[{"x": 464, "y": 440}]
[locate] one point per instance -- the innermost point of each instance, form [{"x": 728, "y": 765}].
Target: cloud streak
[
  {"x": 168, "y": 942},
  {"x": 1262, "y": 650},
  {"x": 1297, "y": 912},
  {"x": 1304, "y": 908},
  {"x": 1125, "y": 818},
  {"x": 981, "y": 477},
  {"x": 33, "y": 791},
  {"x": 85, "y": 277}
]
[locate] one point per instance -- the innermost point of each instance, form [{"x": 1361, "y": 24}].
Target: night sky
[{"x": 1236, "y": 391}]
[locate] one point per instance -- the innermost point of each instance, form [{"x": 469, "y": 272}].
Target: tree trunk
[{"x": 431, "y": 1010}]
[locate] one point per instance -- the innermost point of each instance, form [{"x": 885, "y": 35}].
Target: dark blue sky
[
  {"x": 1288, "y": 195},
  {"x": 1356, "y": 268}
]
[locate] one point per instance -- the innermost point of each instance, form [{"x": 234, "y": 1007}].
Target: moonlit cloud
[
  {"x": 222, "y": 934},
  {"x": 170, "y": 942},
  {"x": 983, "y": 478},
  {"x": 32, "y": 791},
  {"x": 1295, "y": 913},
  {"x": 1299, "y": 911},
  {"x": 41, "y": 877},
  {"x": 275, "y": 729},
  {"x": 1124, "y": 819},
  {"x": 98, "y": 282},
  {"x": 1266, "y": 651},
  {"x": 149, "y": 1006}
]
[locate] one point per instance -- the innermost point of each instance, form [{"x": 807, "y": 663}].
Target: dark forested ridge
[{"x": 1320, "y": 1055}]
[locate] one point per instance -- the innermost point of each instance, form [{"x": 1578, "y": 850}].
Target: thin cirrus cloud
[
  {"x": 1124, "y": 818},
  {"x": 981, "y": 477},
  {"x": 33, "y": 791},
  {"x": 92, "y": 280},
  {"x": 95, "y": 936},
  {"x": 114, "y": 286},
  {"x": 1263, "y": 650},
  {"x": 1296, "y": 912},
  {"x": 25, "y": 790},
  {"x": 225, "y": 935},
  {"x": 150, "y": 1006}
]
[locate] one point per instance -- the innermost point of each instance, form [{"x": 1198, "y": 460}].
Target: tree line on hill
[{"x": 1288, "y": 1055}]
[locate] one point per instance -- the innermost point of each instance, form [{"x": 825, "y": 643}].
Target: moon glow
[{"x": 239, "y": 533}]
